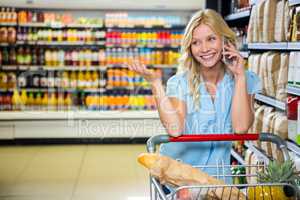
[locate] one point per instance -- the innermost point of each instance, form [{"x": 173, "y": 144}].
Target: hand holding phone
[{"x": 226, "y": 60}]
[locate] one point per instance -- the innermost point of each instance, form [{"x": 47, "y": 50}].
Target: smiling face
[{"x": 206, "y": 46}]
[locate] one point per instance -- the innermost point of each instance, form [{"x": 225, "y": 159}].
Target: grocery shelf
[
  {"x": 237, "y": 157},
  {"x": 61, "y": 25},
  {"x": 239, "y": 15},
  {"x": 54, "y": 43},
  {"x": 293, "y": 147},
  {"x": 293, "y": 90},
  {"x": 294, "y": 2},
  {"x": 49, "y": 90},
  {"x": 8, "y": 24},
  {"x": 74, "y": 68},
  {"x": 179, "y": 26},
  {"x": 293, "y": 45},
  {"x": 245, "y": 54},
  {"x": 143, "y": 46},
  {"x": 268, "y": 46},
  {"x": 271, "y": 101},
  {"x": 75, "y": 115},
  {"x": 4, "y": 44},
  {"x": 6, "y": 90},
  {"x": 9, "y": 67}
]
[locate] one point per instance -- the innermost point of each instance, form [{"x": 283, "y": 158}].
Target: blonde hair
[{"x": 187, "y": 62}]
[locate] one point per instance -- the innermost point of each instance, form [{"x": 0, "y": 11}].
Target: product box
[
  {"x": 292, "y": 63},
  {"x": 297, "y": 70},
  {"x": 292, "y": 114},
  {"x": 298, "y": 125}
]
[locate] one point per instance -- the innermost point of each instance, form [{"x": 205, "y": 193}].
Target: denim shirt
[{"x": 210, "y": 118}]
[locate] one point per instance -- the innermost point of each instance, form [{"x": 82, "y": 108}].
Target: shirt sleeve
[
  {"x": 175, "y": 87},
  {"x": 253, "y": 83}
]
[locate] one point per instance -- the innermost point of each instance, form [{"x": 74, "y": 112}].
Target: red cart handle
[{"x": 214, "y": 137}]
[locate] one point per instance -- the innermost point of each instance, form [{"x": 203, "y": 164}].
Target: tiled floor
[{"x": 67, "y": 172}]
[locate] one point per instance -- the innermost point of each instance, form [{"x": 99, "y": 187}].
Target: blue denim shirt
[{"x": 210, "y": 118}]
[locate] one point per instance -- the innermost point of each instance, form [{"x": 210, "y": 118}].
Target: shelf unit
[
  {"x": 268, "y": 46},
  {"x": 237, "y": 16},
  {"x": 45, "y": 25},
  {"x": 271, "y": 101},
  {"x": 293, "y": 90},
  {"x": 245, "y": 54},
  {"x": 294, "y": 2}
]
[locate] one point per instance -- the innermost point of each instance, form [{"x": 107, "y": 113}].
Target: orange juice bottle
[
  {"x": 60, "y": 102},
  {"x": 52, "y": 102},
  {"x": 95, "y": 79},
  {"x": 38, "y": 101},
  {"x": 45, "y": 101},
  {"x": 68, "y": 101},
  {"x": 81, "y": 80},
  {"x": 30, "y": 101},
  {"x": 104, "y": 103},
  {"x": 16, "y": 100},
  {"x": 117, "y": 77},
  {"x": 23, "y": 99},
  {"x": 65, "y": 80},
  {"x": 3, "y": 80},
  {"x": 73, "y": 80},
  {"x": 110, "y": 74},
  {"x": 88, "y": 80}
]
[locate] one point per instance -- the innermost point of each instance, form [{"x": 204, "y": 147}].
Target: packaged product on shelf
[
  {"x": 260, "y": 20},
  {"x": 292, "y": 114},
  {"x": 280, "y": 129},
  {"x": 295, "y": 36},
  {"x": 273, "y": 66},
  {"x": 298, "y": 125},
  {"x": 297, "y": 70},
  {"x": 287, "y": 20},
  {"x": 258, "y": 122},
  {"x": 252, "y": 28},
  {"x": 269, "y": 20},
  {"x": 255, "y": 67},
  {"x": 279, "y": 22},
  {"x": 282, "y": 77},
  {"x": 292, "y": 66},
  {"x": 263, "y": 70},
  {"x": 3, "y": 35},
  {"x": 267, "y": 127},
  {"x": 248, "y": 155}
]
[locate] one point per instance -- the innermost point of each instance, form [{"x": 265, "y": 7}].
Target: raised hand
[
  {"x": 237, "y": 67},
  {"x": 141, "y": 69}
]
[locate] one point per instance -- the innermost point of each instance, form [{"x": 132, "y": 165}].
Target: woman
[{"x": 206, "y": 95}]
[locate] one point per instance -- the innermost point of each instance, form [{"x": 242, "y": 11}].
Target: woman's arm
[
  {"x": 242, "y": 103},
  {"x": 171, "y": 110},
  {"x": 242, "y": 113}
]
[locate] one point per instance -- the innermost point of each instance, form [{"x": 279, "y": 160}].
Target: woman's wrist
[{"x": 240, "y": 77}]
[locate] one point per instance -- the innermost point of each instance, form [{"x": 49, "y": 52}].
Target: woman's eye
[
  {"x": 195, "y": 43},
  {"x": 211, "y": 39}
]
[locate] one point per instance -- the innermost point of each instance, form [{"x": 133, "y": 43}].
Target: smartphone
[{"x": 225, "y": 59}]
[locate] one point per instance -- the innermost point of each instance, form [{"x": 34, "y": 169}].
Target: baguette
[{"x": 172, "y": 172}]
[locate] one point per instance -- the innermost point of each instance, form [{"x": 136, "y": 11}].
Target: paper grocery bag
[
  {"x": 267, "y": 128},
  {"x": 252, "y": 28},
  {"x": 279, "y": 22},
  {"x": 263, "y": 70},
  {"x": 269, "y": 20},
  {"x": 282, "y": 77},
  {"x": 260, "y": 21},
  {"x": 273, "y": 65}
]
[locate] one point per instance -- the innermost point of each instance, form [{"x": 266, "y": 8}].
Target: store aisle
[{"x": 65, "y": 172}]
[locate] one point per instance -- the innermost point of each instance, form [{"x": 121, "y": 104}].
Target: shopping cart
[{"x": 217, "y": 191}]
